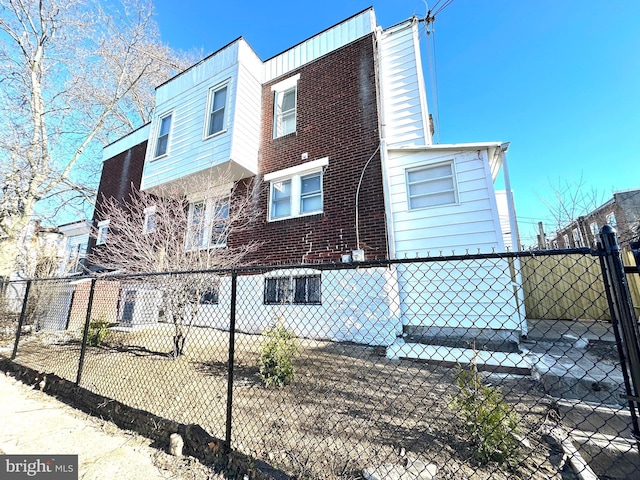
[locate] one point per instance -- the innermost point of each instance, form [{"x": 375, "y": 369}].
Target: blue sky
[{"x": 559, "y": 79}]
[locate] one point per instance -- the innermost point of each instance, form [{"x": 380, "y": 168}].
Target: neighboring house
[
  {"x": 622, "y": 212},
  {"x": 337, "y": 129},
  {"x": 76, "y": 240}
]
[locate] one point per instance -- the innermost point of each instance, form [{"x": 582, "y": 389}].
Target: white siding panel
[
  {"x": 246, "y": 137},
  {"x": 404, "y": 109},
  {"x": 467, "y": 225},
  {"x": 188, "y": 151},
  {"x": 319, "y": 45}
]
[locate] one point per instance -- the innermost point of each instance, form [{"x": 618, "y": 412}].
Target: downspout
[
  {"x": 515, "y": 241},
  {"x": 513, "y": 224}
]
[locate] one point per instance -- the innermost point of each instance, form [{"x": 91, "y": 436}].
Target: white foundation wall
[
  {"x": 360, "y": 305},
  {"x": 459, "y": 294}
]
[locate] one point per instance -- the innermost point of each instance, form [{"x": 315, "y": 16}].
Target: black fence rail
[{"x": 432, "y": 365}]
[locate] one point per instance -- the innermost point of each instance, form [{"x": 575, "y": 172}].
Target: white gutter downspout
[
  {"x": 515, "y": 242},
  {"x": 513, "y": 224}
]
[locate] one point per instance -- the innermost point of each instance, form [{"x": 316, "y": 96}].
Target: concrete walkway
[{"x": 32, "y": 422}]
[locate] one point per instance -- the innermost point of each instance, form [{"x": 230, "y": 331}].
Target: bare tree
[
  {"x": 570, "y": 200},
  {"x": 178, "y": 228},
  {"x": 74, "y": 74}
]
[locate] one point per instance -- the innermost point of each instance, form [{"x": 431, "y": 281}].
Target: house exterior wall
[
  {"x": 404, "y": 99},
  {"x": 337, "y": 119},
  {"x": 357, "y": 306},
  {"x": 473, "y": 223},
  {"x": 186, "y": 97},
  {"x": 121, "y": 174},
  {"x": 625, "y": 206}
]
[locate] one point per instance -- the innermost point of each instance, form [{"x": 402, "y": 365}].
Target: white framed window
[
  {"x": 565, "y": 239},
  {"x": 103, "y": 231},
  {"x": 285, "y": 106},
  {"x": 555, "y": 244},
  {"x": 216, "y": 120},
  {"x": 162, "y": 142},
  {"x": 149, "y": 225},
  {"x": 297, "y": 290},
  {"x": 593, "y": 226},
  {"x": 432, "y": 186},
  {"x": 577, "y": 241},
  {"x": 296, "y": 191},
  {"x": 611, "y": 219},
  {"x": 208, "y": 223}
]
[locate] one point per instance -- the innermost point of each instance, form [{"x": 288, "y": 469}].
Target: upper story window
[
  {"x": 565, "y": 239},
  {"x": 285, "y": 106},
  {"x": 217, "y": 107},
  {"x": 149, "y": 225},
  {"x": 162, "y": 143},
  {"x": 208, "y": 222},
  {"x": 103, "y": 230},
  {"x": 611, "y": 220},
  {"x": 577, "y": 240},
  {"x": 432, "y": 186},
  {"x": 296, "y": 191}
]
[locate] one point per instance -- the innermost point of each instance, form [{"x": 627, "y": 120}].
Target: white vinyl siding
[
  {"x": 237, "y": 68},
  {"x": 403, "y": 92},
  {"x": 472, "y": 223}
]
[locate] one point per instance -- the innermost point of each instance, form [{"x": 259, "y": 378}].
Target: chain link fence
[{"x": 477, "y": 366}]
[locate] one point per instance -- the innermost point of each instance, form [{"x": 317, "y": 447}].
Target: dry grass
[{"x": 348, "y": 408}]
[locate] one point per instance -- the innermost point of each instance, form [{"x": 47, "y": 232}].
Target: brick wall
[
  {"x": 119, "y": 173},
  {"x": 337, "y": 117}
]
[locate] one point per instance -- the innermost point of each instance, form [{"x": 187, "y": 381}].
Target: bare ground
[{"x": 348, "y": 408}]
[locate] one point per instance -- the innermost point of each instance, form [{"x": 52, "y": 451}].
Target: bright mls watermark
[{"x": 51, "y": 467}]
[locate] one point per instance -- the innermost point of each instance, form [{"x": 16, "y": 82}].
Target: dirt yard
[{"x": 348, "y": 407}]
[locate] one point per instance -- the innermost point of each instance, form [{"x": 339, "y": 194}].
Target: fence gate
[{"x": 623, "y": 319}]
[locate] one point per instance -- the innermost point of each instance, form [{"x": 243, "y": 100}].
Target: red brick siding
[
  {"x": 119, "y": 173},
  {"x": 337, "y": 117}
]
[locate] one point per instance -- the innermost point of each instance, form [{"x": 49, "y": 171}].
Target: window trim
[
  {"x": 453, "y": 176},
  {"x": 279, "y": 89},
  {"x": 209, "y": 204},
  {"x": 148, "y": 213},
  {"x": 210, "y": 97},
  {"x": 102, "y": 232},
  {"x": 295, "y": 175},
  {"x": 157, "y": 136},
  {"x": 610, "y": 216}
]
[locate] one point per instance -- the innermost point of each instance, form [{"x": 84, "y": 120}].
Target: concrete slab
[{"x": 32, "y": 422}]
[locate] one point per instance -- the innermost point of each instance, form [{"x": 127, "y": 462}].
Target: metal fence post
[
  {"x": 623, "y": 319},
  {"x": 232, "y": 347},
  {"x": 85, "y": 332},
  {"x": 23, "y": 313}
]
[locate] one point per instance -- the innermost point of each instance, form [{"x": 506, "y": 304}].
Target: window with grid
[
  {"x": 432, "y": 186},
  {"x": 284, "y": 121},
  {"x": 297, "y": 290},
  {"x": 296, "y": 196},
  {"x": 217, "y": 107},
  {"x": 162, "y": 142},
  {"x": 208, "y": 223}
]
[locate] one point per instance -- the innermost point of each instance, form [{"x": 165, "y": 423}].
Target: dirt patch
[{"x": 348, "y": 407}]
